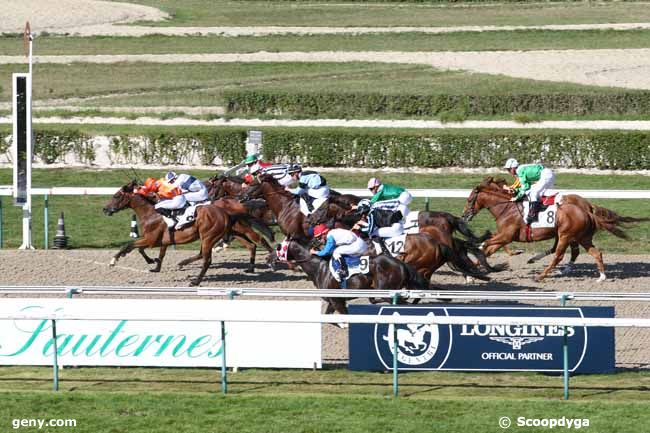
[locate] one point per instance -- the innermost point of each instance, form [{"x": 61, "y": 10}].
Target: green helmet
[{"x": 251, "y": 159}]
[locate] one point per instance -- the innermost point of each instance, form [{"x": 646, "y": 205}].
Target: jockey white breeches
[
  {"x": 356, "y": 248},
  {"x": 546, "y": 181},
  {"x": 197, "y": 196},
  {"x": 322, "y": 192},
  {"x": 176, "y": 202},
  {"x": 393, "y": 230}
]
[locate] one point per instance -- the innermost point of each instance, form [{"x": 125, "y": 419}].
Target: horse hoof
[
  {"x": 194, "y": 283},
  {"x": 516, "y": 252},
  {"x": 250, "y": 271},
  {"x": 112, "y": 262},
  {"x": 531, "y": 260},
  {"x": 539, "y": 278},
  {"x": 154, "y": 270},
  {"x": 602, "y": 278},
  {"x": 469, "y": 280}
]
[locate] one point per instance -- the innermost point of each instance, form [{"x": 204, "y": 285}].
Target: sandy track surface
[
  {"x": 615, "y": 68},
  {"x": 627, "y": 273}
]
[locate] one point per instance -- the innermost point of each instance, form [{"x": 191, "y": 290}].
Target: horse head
[
  {"x": 121, "y": 199},
  {"x": 484, "y": 195}
]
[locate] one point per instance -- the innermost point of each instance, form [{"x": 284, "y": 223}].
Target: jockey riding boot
[
  {"x": 384, "y": 248},
  {"x": 343, "y": 269},
  {"x": 309, "y": 202},
  {"x": 164, "y": 212},
  {"x": 533, "y": 211}
]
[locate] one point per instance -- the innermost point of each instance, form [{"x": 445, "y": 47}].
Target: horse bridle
[{"x": 471, "y": 214}]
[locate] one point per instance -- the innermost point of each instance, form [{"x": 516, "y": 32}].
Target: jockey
[
  {"x": 282, "y": 172},
  {"x": 379, "y": 223},
  {"x": 340, "y": 242},
  {"x": 391, "y": 197},
  {"x": 312, "y": 189},
  {"x": 171, "y": 198},
  {"x": 192, "y": 189},
  {"x": 255, "y": 165},
  {"x": 534, "y": 180}
]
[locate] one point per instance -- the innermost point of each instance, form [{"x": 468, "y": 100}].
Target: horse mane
[{"x": 494, "y": 185}]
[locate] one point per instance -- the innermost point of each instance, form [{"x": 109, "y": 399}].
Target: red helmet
[{"x": 320, "y": 229}]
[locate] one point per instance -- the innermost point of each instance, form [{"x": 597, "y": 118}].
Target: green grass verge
[
  {"x": 463, "y": 41},
  {"x": 88, "y": 227},
  {"x": 172, "y": 400},
  {"x": 202, "y": 84},
  {"x": 373, "y": 14}
]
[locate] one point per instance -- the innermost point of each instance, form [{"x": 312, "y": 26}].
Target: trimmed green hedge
[
  {"x": 351, "y": 105},
  {"x": 352, "y": 147}
]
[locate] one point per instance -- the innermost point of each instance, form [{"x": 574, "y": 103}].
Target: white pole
[{"x": 27, "y": 207}]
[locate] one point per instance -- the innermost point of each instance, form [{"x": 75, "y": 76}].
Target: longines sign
[
  {"x": 482, "y": 347},
  {"x": 160, "y": 343}
]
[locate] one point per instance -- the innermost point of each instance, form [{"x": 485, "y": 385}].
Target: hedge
[
  {"x": 351, "y": 105},
  {"x": 363, "y": 148}
]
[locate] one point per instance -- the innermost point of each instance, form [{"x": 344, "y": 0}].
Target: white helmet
[
  {"x": 511, "y": 163},
  {"x": 373, "y": 182}
]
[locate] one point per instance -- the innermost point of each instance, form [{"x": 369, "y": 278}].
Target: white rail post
[
  {"x": 395, "y": 349},
  {"x": 565, "y": 349},
  {"x": 55, "y": 363}
]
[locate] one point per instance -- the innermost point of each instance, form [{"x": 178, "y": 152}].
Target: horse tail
[
  {"x": 460, "y": 225},
  {"x": 611, "y": 225},
  {"x": 256, "y": 225},
  {"x": 613, "y": 217},
  {"x": 463, "y": 248},
  {"x": 458, "y": 260},
  {"x": 414, "y": 281}
]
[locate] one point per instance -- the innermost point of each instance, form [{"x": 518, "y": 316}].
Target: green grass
[
  {"x": 372, "y": 14},
  {"x": 189, "y": 400},
  {"x": 88, "y": 227},
  {"x": 464, "y": 41},
  {"x": 202, "y": 84}
]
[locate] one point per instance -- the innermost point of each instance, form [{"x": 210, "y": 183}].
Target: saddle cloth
[
  {"x": 545, "y": 218},
  {"x": 396, "y": 245},
  {"x": 356, "y": 265},
  {"x": 411, "y": 225},
  {"x": 187, "y": 218}
]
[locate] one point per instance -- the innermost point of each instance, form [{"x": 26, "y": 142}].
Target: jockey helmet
[
  {"x": 250, "y": 159},
  {"x": 511, "y": 163},
  {"x": 321, "y": 229},
  {"x": 294, "y": 168},
  {"x": 364, "y": 206},
  {"x": 170, "y": 176},
  {"x": 150, "y": 183},
  {"x": 373, "y": 182}
]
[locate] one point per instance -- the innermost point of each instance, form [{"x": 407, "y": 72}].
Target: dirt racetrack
[{"x": 626, "y": 273}]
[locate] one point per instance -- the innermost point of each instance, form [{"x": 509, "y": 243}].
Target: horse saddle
[
  {"x": 356, "y": 265},
  {"x": 396, "y": 245}
]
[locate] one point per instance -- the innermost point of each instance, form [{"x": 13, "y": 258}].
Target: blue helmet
[{"x": 170, "y": 176}]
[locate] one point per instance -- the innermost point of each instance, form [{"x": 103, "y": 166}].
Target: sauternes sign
[{"x": 160, "y": 343}]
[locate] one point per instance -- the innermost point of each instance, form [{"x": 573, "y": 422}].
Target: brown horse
[
  {"x": 211, "y": 224},
  {"x": 574, "y": 225},
  {"x": 286, "y": 209},
  {"x": 384, "y": 273}
]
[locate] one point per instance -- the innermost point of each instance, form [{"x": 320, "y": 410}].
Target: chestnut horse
[
  {"x": 574, "y": 225},
  {"x": 211, "y": 224},
  {"x": 385, "y": 273}
]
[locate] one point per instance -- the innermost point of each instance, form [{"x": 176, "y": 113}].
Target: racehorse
[
  {"x": 286, "y": 209},
  {"x": 210, "y": 225},
  {"x": 574, "y": 225},
  {"x": 385, "y": 273}
]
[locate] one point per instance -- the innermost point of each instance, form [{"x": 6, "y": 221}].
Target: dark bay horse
[
  {"x": 574, "y": 224},
  {"x": 286, "y": 209},
  {"x": 211, "y": 224},
  {"x": 385, "y": 273}
]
